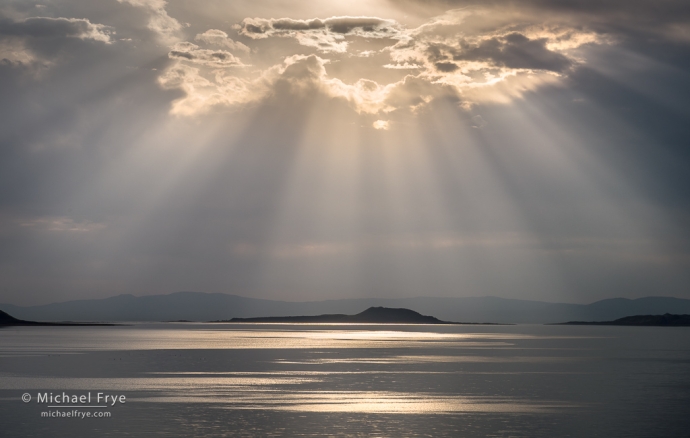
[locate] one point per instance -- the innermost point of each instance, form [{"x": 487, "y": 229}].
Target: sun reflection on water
[
  {"x": 334, "y": 370},
  {"x": 205, "y": 336}
]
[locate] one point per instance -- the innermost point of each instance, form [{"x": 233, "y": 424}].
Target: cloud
[
  {"x": 303, "y": 75},
  {"x": 513, "y": 50},
  {"x": 159, "y": 21},
  {"x": 15, "y": 52},
  {"x": 361, "y": 26},
  {"x": 479, "y": 122},
  {"x": 219, "y": 38},
  {"x": 325, "y": 35},
  {"x": 46, "y": 27},
  {"x": 203, "y": 93},
  {"x": 523, "y": 242},
  {"x": 191, "y": 52},
  {"x": 23, "y": 42},
  {"x": 448, "y": 57},
  {"x": 403, "y": 66},
  {"x": 62, "y": 224},
  {"x": 297, "y": 75},
  {"x": 366, "y": 53}
]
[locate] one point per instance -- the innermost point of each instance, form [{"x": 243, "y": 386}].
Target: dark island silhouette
[
  {"x": 373, "y": 315},
  {"x": 9, "y": 320},
  {"x": 665, "y": 320}
]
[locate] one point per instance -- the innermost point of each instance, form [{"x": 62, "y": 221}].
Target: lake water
[{"x": 243, "y": 380}]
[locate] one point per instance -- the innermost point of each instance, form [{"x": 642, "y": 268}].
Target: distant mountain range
[{"x": 199, "y": 306}]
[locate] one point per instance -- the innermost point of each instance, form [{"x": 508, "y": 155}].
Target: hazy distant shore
[
  {"x": 7, "y": 320},
  {"x": 666, "y": 320}
]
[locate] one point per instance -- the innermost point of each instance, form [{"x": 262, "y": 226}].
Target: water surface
[{"x": 352, "y": 380}]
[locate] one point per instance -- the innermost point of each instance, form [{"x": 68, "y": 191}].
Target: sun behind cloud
[{"x": 381, "y": 124}]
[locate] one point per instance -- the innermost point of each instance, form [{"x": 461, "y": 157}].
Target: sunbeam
[{"x": 307, "y": 152}]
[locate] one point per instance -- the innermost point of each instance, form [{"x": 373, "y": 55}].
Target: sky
[{"x": 312, "y": 150}]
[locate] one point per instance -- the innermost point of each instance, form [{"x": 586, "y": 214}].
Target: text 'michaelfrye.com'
[{"x": 68, "y": 405}]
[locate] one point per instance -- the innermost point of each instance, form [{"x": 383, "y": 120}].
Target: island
[
  {"x": 665, "y": 320},
  {"x": 7, "y": 320},
  {"x": 373, "y": 315}
]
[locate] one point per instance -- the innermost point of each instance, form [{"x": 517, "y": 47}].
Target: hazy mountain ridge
[{"x": 200, "y": 306}]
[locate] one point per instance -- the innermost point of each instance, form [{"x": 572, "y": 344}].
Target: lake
[{"x": 251, "y": 380}]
